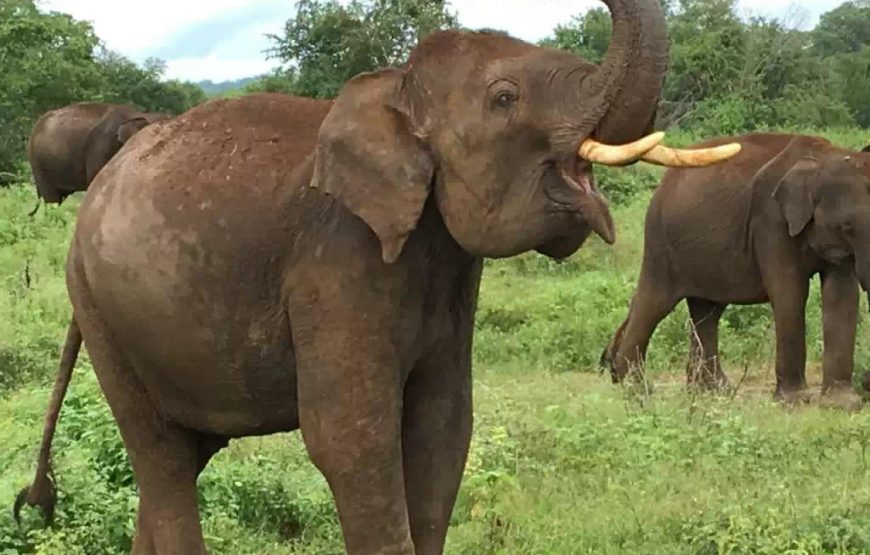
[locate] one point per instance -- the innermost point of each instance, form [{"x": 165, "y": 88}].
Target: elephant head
[
  {"x": 500, "y": 132},
  {"x": 131, "y": 126},
  {"x": 824, "y": 193}
]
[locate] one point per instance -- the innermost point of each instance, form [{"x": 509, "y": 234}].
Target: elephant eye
[{"x": 505, "y": 99}]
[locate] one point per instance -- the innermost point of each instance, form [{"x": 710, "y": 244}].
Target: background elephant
[
  {"x": 751, "y": 230},
  {"x": 271, "y": 263},
  {"x": 70, "y": 145}
]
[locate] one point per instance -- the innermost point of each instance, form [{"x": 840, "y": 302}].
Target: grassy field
[{"x": 562, "y": 462}]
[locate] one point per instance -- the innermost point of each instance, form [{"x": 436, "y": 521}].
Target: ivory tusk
[
  {"x": 618, "y": 155},
  {"x": 691, "y": 158}
]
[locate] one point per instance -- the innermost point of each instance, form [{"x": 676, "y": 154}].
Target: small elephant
[
  {"x": 273, "y": 263},
  {"x": 753, "y": 230},
  {"x": 70, "y": 145}
]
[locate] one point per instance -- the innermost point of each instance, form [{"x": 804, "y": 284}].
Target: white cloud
[
  {"x": 146, "y": 28},
  {"x": 133, "y": 28},
  {"x": 529, "y": 20}
]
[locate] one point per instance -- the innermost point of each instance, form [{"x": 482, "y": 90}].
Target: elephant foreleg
[
  {"x": 350, "y": 414},
  {"x": 839, "y": 321},
  {"x": 436, "y": 432},
  {"x": 789, "y": 298}
]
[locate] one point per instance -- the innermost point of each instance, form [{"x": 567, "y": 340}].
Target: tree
[
  {"x": 47, "y": 61},
  {"x": 851, "y": 74},
  {"x": 328, "y": 43},
  {"x": 587, "y": 35},
  {"x": 277, "y": 81},
  {"x": 843, "y": 30},
  {"x": 842, "y": 40},
  {"x": 144, "y": 87},
  {"x": 730, "y": 75},
  {"x": 50, "y": 60}
]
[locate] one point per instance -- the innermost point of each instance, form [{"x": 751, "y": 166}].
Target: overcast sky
[{"x": 225, "y": 39}]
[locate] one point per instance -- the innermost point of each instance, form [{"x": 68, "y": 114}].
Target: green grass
[{"x": 562, "y": 462}]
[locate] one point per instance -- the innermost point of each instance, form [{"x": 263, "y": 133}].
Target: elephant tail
[
  {"x": 41, "y": 492},
  {"x": 33, "y": 212}
]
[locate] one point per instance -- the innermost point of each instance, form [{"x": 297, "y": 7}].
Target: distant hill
[{"x": 214, "y": 89}]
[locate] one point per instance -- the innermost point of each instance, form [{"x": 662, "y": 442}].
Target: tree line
[
  {"x": 49, "y": 60},
  {"x": 727, "y": 74}
]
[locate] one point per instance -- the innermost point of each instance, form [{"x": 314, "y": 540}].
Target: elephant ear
[
  {"x": 369, "y": 158},
  {"x": 794, "y": 196},
  {"x": 130, "y": 127}
]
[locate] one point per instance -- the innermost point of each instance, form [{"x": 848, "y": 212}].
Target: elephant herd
[{"x": 273, "y": 263}]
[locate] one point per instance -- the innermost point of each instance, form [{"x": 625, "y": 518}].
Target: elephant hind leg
[
  {"x": 704, "y": 368},
  {"x": 607, "y": 358},
  {"x": 649, "y": 306},
  {"x": 166, "y": 458},
  {"x": 45, "y": 188}
]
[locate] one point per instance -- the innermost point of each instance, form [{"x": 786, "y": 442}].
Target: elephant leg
[
  {"x": 839, "y": 321},
  {"x": 705, "y": 369},
  {"x": 789, "y": 301},
  {"x": 436, "y": 432},
  {"x": 605, "y": 361},
  {"x": 648, "y": 308},
  {"x": 165, "y": 457},
  {"x": 45, "y": 189},
  {"x": 350, "y": 415}
]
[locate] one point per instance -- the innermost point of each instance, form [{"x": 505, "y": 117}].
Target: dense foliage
[
  {"x": 49, "y": 60},
  {"x": 328, "y": 42},
  {"x": 729, "y": 75},
  {"x": 726, "y": 74}
]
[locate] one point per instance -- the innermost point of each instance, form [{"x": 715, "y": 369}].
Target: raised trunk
[{"x": 629, "y": 81}]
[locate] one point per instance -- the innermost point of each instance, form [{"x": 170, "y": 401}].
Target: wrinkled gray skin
[
  {"x": 273, "y": 263},
  {"x": 756, "y": 229},
  {"x": 70, "y": 145}
]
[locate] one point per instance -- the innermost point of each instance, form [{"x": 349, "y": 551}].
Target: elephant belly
[
  {"x": 232, "y": 378},
  {"x": 208, "y": 336},
  {"x": 725, "y": 282},
  {"x": 716, "y": 270},
  {"x": 705, "y": 249}
]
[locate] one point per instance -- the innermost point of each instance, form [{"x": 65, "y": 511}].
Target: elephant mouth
[
  {"x": 577, "y": 174},
  {"x": 575, "y": 191},
  {"x": 582, "y": 182}
]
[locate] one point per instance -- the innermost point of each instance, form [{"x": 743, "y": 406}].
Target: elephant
[
  {"x": 272, "y": 263},
  {"x": 69, "y": 146},
  {"x": 756, "y": 229}
]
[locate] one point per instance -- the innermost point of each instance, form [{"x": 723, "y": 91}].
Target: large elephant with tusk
[{"x": 270, "y": 263}]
